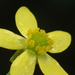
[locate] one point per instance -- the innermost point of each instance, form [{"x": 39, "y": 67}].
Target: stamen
[
  {"x": 47, "y": 48},
  {"x": 43, "y": 32},
  {"x": 38, "y": 41},
  {"x": 37, "y": 48},
  {"x": 31, "y": 43},
  {"x": 36, "y": 30},
  {"x": 43, "y": 48},
  {"x": 29, "y": 32},
  {"x": 41, "y": 52}
]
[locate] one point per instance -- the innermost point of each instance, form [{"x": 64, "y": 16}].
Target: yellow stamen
[
  {"x": 42, "y": 31},
  {"x": 38, "y": 41},
  {"x": 41, "y": 52},
  {"x": 47, "y": 48},
  {"x": 31, "y": 43},
  {"x": 37, "y": 48},
  {"x": 29, "y": 32},
  {"x": 43, "y": 48}
]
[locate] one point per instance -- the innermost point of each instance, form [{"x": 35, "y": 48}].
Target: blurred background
[{"x": 51, "y": 15}]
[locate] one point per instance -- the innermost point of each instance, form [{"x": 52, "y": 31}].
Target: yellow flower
[{"x": 33, "y": 47}]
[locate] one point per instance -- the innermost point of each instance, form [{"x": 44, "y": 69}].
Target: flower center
[{"x": 38, "y": 41}]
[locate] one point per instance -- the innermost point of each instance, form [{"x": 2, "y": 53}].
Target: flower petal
[
  {"x": 25, "y": 20},
  {"x": 11, "y": 40},
  {"x": 50, "y": 66},
  {"x": 24, "y": 64},
  {"x": 61, "y": 40}
]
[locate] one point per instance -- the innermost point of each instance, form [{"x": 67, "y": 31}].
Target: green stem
[
  {"x": 17, "y": 53},
  {"x": 8, "y": 73}
]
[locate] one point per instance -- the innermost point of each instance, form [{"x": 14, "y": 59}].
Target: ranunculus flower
[{"x": 33, "y": 47}]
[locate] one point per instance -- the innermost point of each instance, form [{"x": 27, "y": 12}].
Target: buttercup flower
[{"x": 33, "y": 47}]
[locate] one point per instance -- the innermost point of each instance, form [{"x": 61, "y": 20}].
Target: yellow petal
[
  {"x": 24, "y": 64},
  {"x": 61, "y": 40},
  {"x": 11, "y": 40},
  {"x": 25, "y": 20},
  {"x": 50, "y": 66}
]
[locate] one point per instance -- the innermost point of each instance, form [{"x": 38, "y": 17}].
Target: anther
[
  {"x": 43, "y": 48},
  {"x": 31, "y": 43},
  {"x": 47, "y": 48},
  {"x": 43, "y": 31},
  {"x": 29, "y": 32},
  {"x": 37, "y": 48},
  {"x": 41, "y": 51},
  {"x": 36, "y": 30}
]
